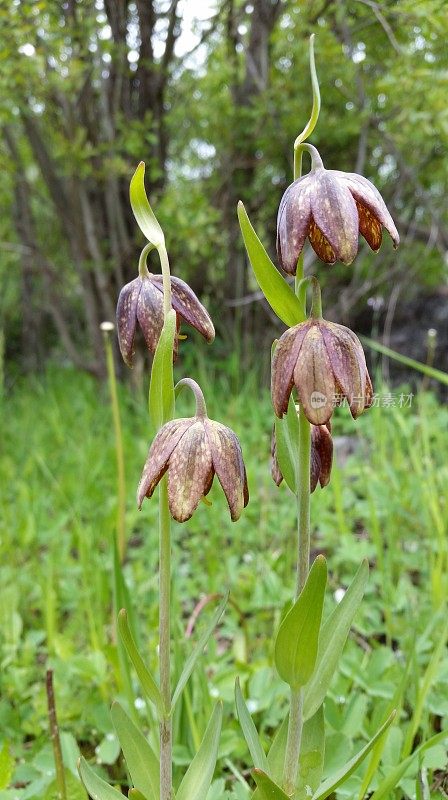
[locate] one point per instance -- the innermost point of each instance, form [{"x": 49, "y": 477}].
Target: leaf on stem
[
  {"x": 161, "y": 388},
  {"x": 198, "y": 777},
  {"x": 249, "y": 730},
  {"x": 143, "y": 213},
  {"x": 267, "y": 789},
  {"x": 312, "y": 752},
  {"x": 277, "y": 292},
  {"x": 331, "y": 784},
  {"x": 287, "y": 445},
  {"x": 297, "y": 639},
  {"x": 96, "y": 787},
  {"x": 332, "y": 638},
  {"x": 148, "y": 683},
  {"x": 198, "y": 650},
  {"x": 141, "y": 761}
]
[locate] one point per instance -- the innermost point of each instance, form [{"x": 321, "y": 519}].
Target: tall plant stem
[
  {"x": 55, "y": 738},
  {"x": 164, "y": 641},
  {"x": 119, "y": 452},
  {"x": 295, "y": 724}
]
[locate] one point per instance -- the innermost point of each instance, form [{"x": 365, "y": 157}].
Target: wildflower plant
[{"x": 323, "y": 364}]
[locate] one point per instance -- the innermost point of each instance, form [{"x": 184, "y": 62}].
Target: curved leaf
[
  {"x": 148, "y": 683},
  {"x": 198, "y": 777},
  {"x": 267, "y": 789},
  {"x": 96, "y": 787},
  {"x": 298, "y": 636},
  {"x": 143, "y": 212},
  {"x": 391, "y": 780},
  {"x": 277, "y": 292},
  {"x": 141, "y": 761},
  {"x": 249, "y": 730}
]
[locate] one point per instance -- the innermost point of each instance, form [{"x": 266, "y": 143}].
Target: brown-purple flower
[
  {"x": 141, "y": 301},
  {"x": 321, "y": 457},
  {"x": 192, "y": 450},
  {"x": 326, "y": 363},
  {"x": 331, "y": 208}
]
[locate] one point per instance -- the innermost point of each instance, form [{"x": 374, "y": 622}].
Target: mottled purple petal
[
  {"x": 150, "y": 313},
  {"x": 160, "y": 451},
  {"x": 228, "y": 465},
  {"x": 322, "y": 448},
  {"x": 190, "y": 472},
  {"x": 348, "y": 364},
  {"x": 320, "y": 244},
  {"x": 314, "y": 379},
  {"x": 334, "y": 212},
  {"x": 283, "y": 363},
  {"x": 187, "y": 305},
  {"x": 368, "y": 196},
  {"x": 293, "y": 220},
  {"x": 127, "y": 319}
]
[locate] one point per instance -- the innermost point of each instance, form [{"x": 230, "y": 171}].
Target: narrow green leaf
[
  {"x": 298, "y": 636},
  {"x": 312, "y": 752},
  {"x": 198, "y": 650},
  {"x": 331, "y": 642},
  {"x": 277, "y": 292},
  {"x": 134, "y": 794},
  {"x": 276, "y": 755},
  {"x": 431, "y": 372},
  {"x": 198, "y": 777},
  {"x": 143, "y": 212},
  {"x": 267, "y": 789},
  {"x": 249, "y": 730},
  {"x": 96, "y": 787},
  {"x": 141, "y": 761},
  {"x": 287, "y": 444},
  {"x": 161, "y": 388},
  {"x": 395, "y": 775},
  {"x": 6, "y": 766},
  {"x": 339, "y": 777},
  {"x": 148, "y": 683}
]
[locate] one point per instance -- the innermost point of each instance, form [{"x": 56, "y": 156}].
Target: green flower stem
[
  {"x": 303, "y": 502},
  {"x": 119, "y": 452},
  {"x": 295, "y": 727},
  {"x": 55, "y": 738},
  {"x": 166, "y": 785},
  {"x": 142, "y": 268},
  {"x": 164, "y": 263},
  {"x": 201, "y": 408}
]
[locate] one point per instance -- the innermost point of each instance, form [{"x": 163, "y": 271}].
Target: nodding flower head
[
  {"x": 331, "y": 208},
  {"x": 192, "y": 450},
  {"x": 326, "y": 363},
  {"x": 321, "y": 457},
  {"x": 141, "y": 301}
]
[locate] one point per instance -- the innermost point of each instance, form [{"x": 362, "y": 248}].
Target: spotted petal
[
  {"x": 229, "y": 466},
  {"x": 293, "y": 220},
  {"x": 283, "y": 363},
  {"x": 314, "y": 378},
  {"x": 150, "y": 313},
  {"x": 160, "y": 451},
  {"x": 369, "y": 198},
  {"x": 348, "y": 364},
  {"x": 127, "y": 319},
  {"x": 190, "y": 472},
  {"x": 187, "y": 305},
  {"x": 334, "y": 213}
]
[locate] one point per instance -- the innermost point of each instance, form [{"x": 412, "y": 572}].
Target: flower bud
[
  {"x": 326, "y": 363},
  {"x": 321, "y": 457},
  {"x": 331, "y": 208},
  {"x": 141, "y": 301},
  {"x": 192, "y": 451}
]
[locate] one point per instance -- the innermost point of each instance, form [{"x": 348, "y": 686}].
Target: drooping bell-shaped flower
[
  {"x": 192, "y": 450},
  {"x": 325, "y": 362},
  {"x": 141, "y": 302},
  {"x": 321, "y": 457},
  {"x": 331, "y": 208}
]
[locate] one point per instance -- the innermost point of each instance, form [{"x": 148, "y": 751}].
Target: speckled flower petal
[
  {"x": 314, "y": 379},
  {"x": 334, "y": 212},
  {"x": 160, "y": 451},
  {"x": 190, "y": 472},
  {"x": 283, "y": 363},
  {"x": 293, "y": 220},
  {"x": 322, "y": 453},
  {"x": 150, "y": 313},
  {"x": 368, "y": 196},
  {"x": 187, "y": 305},
  {"x": 127, "y": 319},
  {"x": 276, "y": 473},
  {"x": 320, "y": 244},
  {"x": 369, "y": 227},
  {"x": 228, "y": 465},
  {"x": 348, "y": 364}
]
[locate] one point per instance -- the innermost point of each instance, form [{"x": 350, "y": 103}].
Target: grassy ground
[{"x": 387, "y": 501}]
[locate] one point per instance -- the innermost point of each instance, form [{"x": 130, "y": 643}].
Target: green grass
[{"x": 387, "y": 502}]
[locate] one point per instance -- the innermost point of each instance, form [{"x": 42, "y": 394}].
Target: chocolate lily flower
[
  {"x": 321, "y": 457},
  {"x": 326, "y": 363},
  {"x": 331, "y": 208},
  {"x": 192, "y": 451},
  {"x": 141, "y": 301}
]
